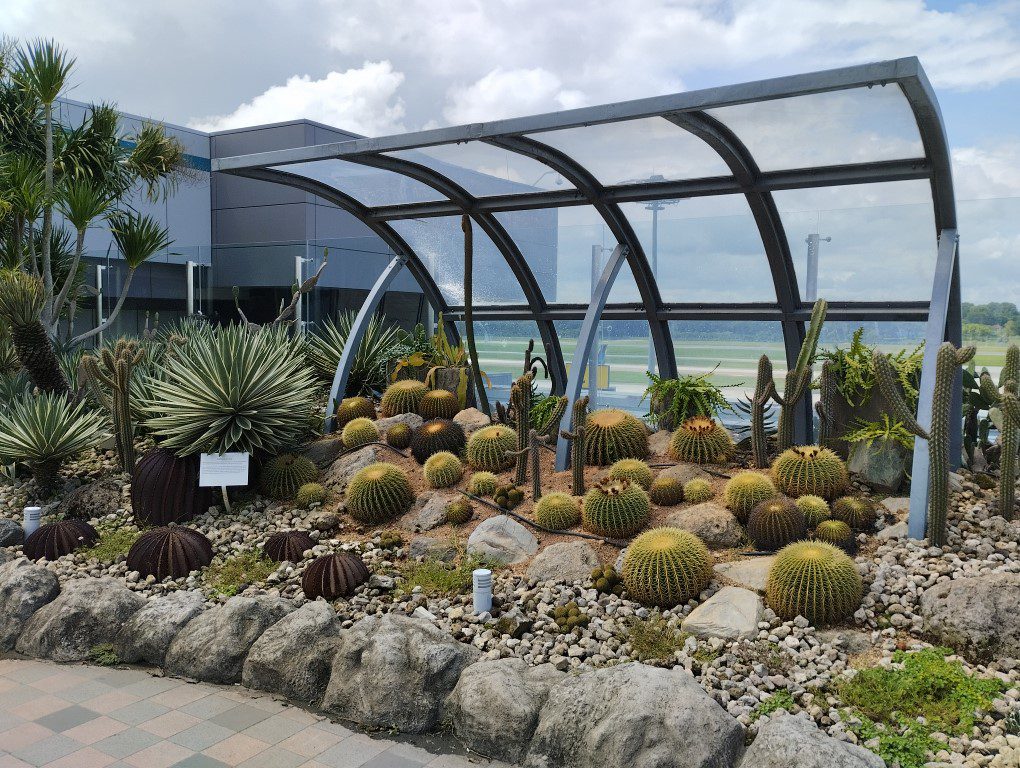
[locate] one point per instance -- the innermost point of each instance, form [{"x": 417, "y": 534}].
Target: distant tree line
[{"x": 990, "y": 321}]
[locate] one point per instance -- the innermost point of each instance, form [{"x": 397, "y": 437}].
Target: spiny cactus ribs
[
  {"x": 482, "y": 484},
  {"x": 435, "y": 436},
  {"x": 774, "y": 523},
  {"x": 399, "y": 436},
  {"x": 283, "y": 475},
  {"x": 438, "y": 404},
  {"x": 558, "y": 511},
  {"x": 698, "y": 491},
  {"x": 666, "y": 491},
  {"x": 611, "y": 434},
  {"x": 459, "y": 511},
  {"x": 700, "y": 440},
  {"x": 378, "y": 493},
  {"x": 442, "y": 470},
  {"x": 837, "y": 533},
  {"x": 359, "y": 431},
  {"x": 809, "y": 469},
  {"x": 288, "y": 546},
  {"x": 402, "y": 396},
  {"x": 352, "y": 408},
  {"x": 815, "y": 509},
  {"x": 491, "y": 448},
  {"x": 815, "y": 580},
  {"x": 746, "y": 490},
  {"x": 308, "y": 494},
  {"x": 856, "y": 511},
  {"x": 334, "y": 576},
  {"x": 634, "y": 470},
  {"x": 616, "y": 509},
  {"x": 164, "y": 489},
  {"x": 169, "y": 552},
  {"x": 57, "y": 539},
  {"x": 666, "y": 567}
]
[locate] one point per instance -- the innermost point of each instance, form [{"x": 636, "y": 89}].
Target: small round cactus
[
  {"x": 482, "y": 484},
  {"x": 172, "y": 551},
  {"x": 378, "y": 493},
  {"x": 698, "y": 491},
  {"x": 666, "y": 567},
  {"x": 611, "y": 434},
  {"x": 837, "y": 533},
  {"x": 288, "y": 546},
  {"x": 700, "y": 440},
  {"x": 634, "y": 470},
  {"x": 308, "y": 494},
  {"x": 558, "y": 511},
  {"x": 459, "y": 511},
  {"x": 508, "y": 496},
  {"x": 438, "y": 404},
  {"x": 352, "y": 408},
  {"x": 333, "y": 576},
  {"x": 402, "y": 396},
  {"x": 607, "y": 581},
  {"x": 815, "y": 509},
  {"x": 435, "y": 436},
  {"x": 283, "y": 475},
  {"x": 489, "y": 447},
  {"x": 616, "y": 509},
  {"x": 442, "y": 470},
  {"x": 399, "y": 436},
  {"x": 815, "y": 580},
  {"x": 745, "y": 490},
  {"x": 569, "y": 617},
  {"x": 856, "y": 511},
  {"x": 666, "y": 491},
  {"x": 390, "y": 539},
  {"x": 57, "y": 539},
  {"x": 809, "y": 469},
  {"x": 359, "y": 431},
  {"x": 774, "y": 523}
]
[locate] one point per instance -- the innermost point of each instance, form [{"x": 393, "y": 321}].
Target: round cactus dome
[
  {"x": 57, "y": 539},
  {"x": 774, "y": 523},
  {"x": 442, "y": 470},
  {"x": 483, "y": 484},
  {"x": 288, "y": 545},
  {"x": 438, "y": 404},
  {"x": 615, "y": 509},
  {"x": 359, "y": 431},
  {"x": 855, "y": 511},
  {"x": 746, "y": 490},
  {"x": 698, "y": 490},
  {"x": 634, "y": 470},
  {"x": 351, "y": 408},
  {"x": 837, "y": 533},
  {"x": 399, "y": 436},
  {"x": 558, "y": 511},
  {"x": 700, "y": 440},
  {"x": 666, "y": 567},
  {"x": 809, "y": 469},
  {"x": 173, "y": 551},
  {"x": 488, "y": 448},
  {"x": 378, "y": 493},
  {"x": 815, "y": 580},
  {"x": 612, "y": 434},
  {"x": 666, "y": 491},
  {"x": 436, "y": 436},
  {"x": 333, "y": 576},
  {"x": 402, "y": 397},
  {"x": 815, "y": 509},
  {"x": 283, "y": 475}
]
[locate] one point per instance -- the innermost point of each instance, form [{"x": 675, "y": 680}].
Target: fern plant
[
  {"x": 886, "y": 429},
  {"x": 855, "y": 371},
  {"x": 673, "y": 401}
]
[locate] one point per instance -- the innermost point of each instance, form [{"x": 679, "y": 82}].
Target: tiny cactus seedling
[
  {"x": 378, "y": 493},
  {"x": 615, "y": 509},
  {"x": 809, "y": 469},
  {"x": 508, "y": 496},
  {"x": 442, "y": 470},
  {"x": 815, "y": 509},
  {"x": 438, "y": 404},
  {"x": 746, "y": 490},
  {"x": 402, "y": 396},
  {"x": 700, "y": 440},
  {"x": 283, "y": 475},
  {"x": 558, "y": 511},
  {"x": 634, "y": 470},
  {"x": 815, "y": 580},
  {"x": 390, "y": 539},
  {"x": 359, "y": 431},
  {"x": 774, "y": 523},
  {"x": 491, "y": 448},
  {"x": 570, "y": 617},
  {"x": 308, "y": 494},
  {"x": 612, "y": 434},
  {"x": 482, "y": 484},
  {"x": 607, "y": 581},
  {"x": 435, "y": 436},
  {"x": 666, "y": 567},
  {"x": 352, "y": 408},
  {"x": 856, "y": 511},
  {"x": 698, "y": 491},
  {"x": 399, "y": 436},
  {"x": 459, "y": 511},
  {"x": 666, "y": 491}
]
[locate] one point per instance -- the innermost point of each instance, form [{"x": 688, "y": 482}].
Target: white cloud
[
  {"x": 509, "y": 93},
  {"x": 362, "y": 100},
  {"x": 986, "y": 172}
]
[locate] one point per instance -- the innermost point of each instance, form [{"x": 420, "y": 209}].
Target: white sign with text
[{"x": 221, "y": 470}]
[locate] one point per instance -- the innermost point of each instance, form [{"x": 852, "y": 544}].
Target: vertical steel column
[
  {"x": 357, "y": 334},
  {"x": 575, "y": 377},
  {"x": 938, "y": 324}
]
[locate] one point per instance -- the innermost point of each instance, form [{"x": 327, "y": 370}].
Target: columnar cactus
[
  {"x": 798, "y": 381},
  {"x": 109, "y": 376},
  {"x": 1005, "y": 397},
  {"x": 520, "y": 403},
  {"x": 764, "y": 391},
  {"x": 829, "y": 397},
  {"x": 579, "y": 417},
  {"x": 552, "y": 427}
]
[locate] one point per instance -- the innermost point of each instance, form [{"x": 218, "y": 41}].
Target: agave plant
[
  {"x": 45, "y": 430},
  {"x": 369, "y": 371},
  {"x": 232, "y": 390}
]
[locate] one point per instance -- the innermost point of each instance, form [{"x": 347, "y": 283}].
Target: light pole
[{"x": 811, "y": 282}]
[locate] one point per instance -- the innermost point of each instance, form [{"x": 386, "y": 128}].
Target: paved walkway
[{"x": 70, "y": 716}]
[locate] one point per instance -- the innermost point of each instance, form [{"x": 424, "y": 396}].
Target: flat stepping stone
[
  {"x": 750, "y": 573},
  {"x": 731, "y": 613}
]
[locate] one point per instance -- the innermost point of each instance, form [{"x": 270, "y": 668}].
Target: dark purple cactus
[
  {"x": 173, "y": 551},
  {"x": 165, "y": 488},
  {"x": 288, "y": 545},
  {"x": 333, "y": 576},
  {"x": 55, "y": 540}
]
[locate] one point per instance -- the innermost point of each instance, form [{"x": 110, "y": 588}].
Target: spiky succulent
[
  {"x": 352, "y": 408},
  {"x": 288, "y": 546},
  {"x": 774, "y": 523},
  {"x": 745, "y": 490},
  {"x": 399, "y": 436},
  {"x": 489, "y": 448},
  {"x": 558, "y": 511},
  {"x": 809, "y": 469},
  {"x": 390, "y": 539},
  {"x": 666, "y": 567},
  {"x": 359, "y": 431},
  {"x": 442, "y": 470},
  {"x": 378, "y": 493},
  {"x": 232, "y": 390},
  {"x": 634, "y": 470},
  {"x": 837, "y": 533},
  {"x": 57, "y": 539},
  {"x": 570, "y": 617},
  {"x": 482, "y": 484},
  {"x": 165, "y": 489},
  {"x": 698, "y": 491},
  {"x": 666, "y": 491},
  {"x": 607, "y": 581},
  {"x": 856, "y": 511},
  {"x": 508, "y": 496},
  {"x": 438, "y": 404},
  {"x": 611, "y": 434},
  {"x": 368, "y": 372},
  {"x": 308, "y": 494},
  {"x": 815, "y": 509},
  {"x": 700, "y": 440},
  {"x": 815, "y": 580},
  {"x": 459, "y": 511},
  {"x": 435, "y": 436},
  {"x": 616, "y": 509},
  {"x": 283, "y": 475},
  {"x": 402, "y": 396}
]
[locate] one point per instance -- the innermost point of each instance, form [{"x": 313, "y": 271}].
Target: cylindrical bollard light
[
  {"x": 31, "y": 524},
  {"x": 482, "y": 578}
]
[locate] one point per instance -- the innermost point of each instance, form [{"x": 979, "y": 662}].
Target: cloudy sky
[{"x": 379, "y": 66}]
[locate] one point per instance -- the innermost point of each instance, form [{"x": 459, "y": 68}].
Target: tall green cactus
[
  {"x": 764, "y": 390},
  {"x": 552, "y": 427},
  {"x": 1005, "y": 397},
  {"x": 939, "y": 437},
  {"x": 578, "y": 417},
  {"x": 534, "y": 456},
  {"x": 520, "y": 404},
  {"x": 798, "y": 381},
  {"x": 828, "y": 400},
  {"x": 109, "y": 377}
]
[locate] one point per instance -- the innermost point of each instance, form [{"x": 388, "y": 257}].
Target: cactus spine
[
  {"x": 112, "y": 370},
  {"x": 764, "y": 390},
  {"x": 536, "y": 476},
  {"x": 799, "y": 379},
  {"x": 578, "y": 417},
  {"x": 1009, "y": 405}
]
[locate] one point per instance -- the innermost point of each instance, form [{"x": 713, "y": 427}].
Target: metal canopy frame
[{"x": 688, "y": 112}]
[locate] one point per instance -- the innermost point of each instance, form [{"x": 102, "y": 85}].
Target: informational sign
[{"x": 222, "y": 470}]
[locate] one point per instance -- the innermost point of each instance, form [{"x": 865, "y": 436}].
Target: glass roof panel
[
  {"x": 367, "y": 185},
  {"x": 439, "y": 243},
  {"x": 648, "y": 149},
  {"x": 703, "y": 249},
  {"x": 875, "y": 242},
  {"x": 501, "y": 345},
  {"x": 852, "y": 126},
  {"x": 484, "y": 170}
]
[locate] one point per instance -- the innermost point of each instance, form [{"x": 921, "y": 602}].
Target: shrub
[
  {"x": 234, "y": 574},
  {"x": 442, "y": 579},
  {"x": 652, "y": 639},
  {"x": 615, "y": 509},
  {"x": 666, "y": 567},
  {"x": 368, "y": 374}
]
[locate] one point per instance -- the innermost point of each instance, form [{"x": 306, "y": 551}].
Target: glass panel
[
  {"x": 871, "y": 242},
  {"x": 371, "y": 186},
  {"x": 485, "y": 170},
  {"x": 649, "y": 149},
  {"x": 853, "y": 126},
  {"x": 439, "y": 243},
  {"x": 703, "y": 249},
  {"x": 501, "y": 345}
]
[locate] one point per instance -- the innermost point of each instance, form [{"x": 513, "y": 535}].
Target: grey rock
[
  {"x": 24, "y": 589},
  {"x": 471, "y": 420},
  {"x": 146, "y": 636},
  {"x": 11, "y": 533},
  {"x": 633, "y": 715},
  {"x": 686, "y": 472},
  {"x": 324, "y": 520},
  {"x": 504, "y": 539},
  {"x": 412, "y": 420},
  {"x": 788, "y": 741},
  {"x": 750, "y": 573},
  {"x": 95, "y": 499},
  {"x": 429, "y": 546},
  {"x": 849, "y": 640},
  {"x": 496, "y": 704},
  {"x": 711, "y": 522},
  {"x": 731, "y": 613},
  {"x": 340, "y": 472},
  {"x": 429, "y": 510},
  {"x": 894, "y": 531},
  {"x": 658, "y": 442},
  {"x": 213, "y": 645},
  {"x": 295, "y": 655},
  {"x": 898, "y": 506},
  {"x": 975, "y": 615},
  {"x": 881, "y": 464},
  {"x": 566, "y": 562},
  {"x": 395, "y": 672},
  {"x": 88, "y": 612},
  {"x": 324, "y": 451}
]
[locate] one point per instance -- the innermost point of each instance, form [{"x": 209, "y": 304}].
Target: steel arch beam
[{"x": 579, "y": 176}]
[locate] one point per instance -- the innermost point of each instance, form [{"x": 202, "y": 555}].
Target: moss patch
[
  {"x": 781, "y": 699},
  {"x": 112, "y": 543},
  {"x": 230, "y": 576},
  {"x": 652, "y": 639},
  {"x": 104, "y": 655},
  {"x": 437, "y": 577}
]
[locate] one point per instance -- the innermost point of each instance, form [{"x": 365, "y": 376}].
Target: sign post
[{"x": 219, "y": 470}]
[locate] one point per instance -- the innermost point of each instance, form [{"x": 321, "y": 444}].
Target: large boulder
[
  {"x": 471, "y": 420},
  {"x": 711, "y": 522},
  {"x": 96, "y": 499},
  {"x": 88, "y": 612},
  {"x": 395, "y": 672},
  {"x": 881, "y": 464},
  {"x": 567, "y": 562},
  {"x": 788, "y": 741},
  {"x": 340, "y": 472},
  {"x": 731, "y": 613},
  {"x": 496, "y": 704},
  {"x": 431, "y": 547},
  {"x": 658, "y": 442},
  {"x": 24, "y": 589},
  {"x": 975, "y": 615},
  {"x": 633, "y": 715},
  {"x": 504, "y": 539},
  {"x": 11, "y": 533},
  {"x": 146, "y": 636},
  {"x": 429, "y": 510},
  {"x": 295, "y": 655},
  {"x": 212, "y": 646}
]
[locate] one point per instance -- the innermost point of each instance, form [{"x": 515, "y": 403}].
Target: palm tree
[{"x": 21, "y": 300}]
